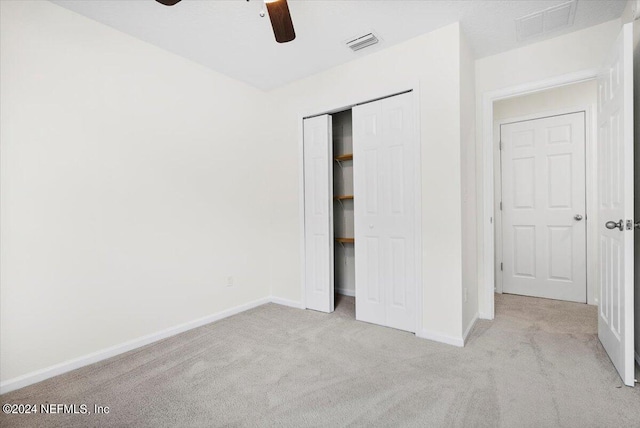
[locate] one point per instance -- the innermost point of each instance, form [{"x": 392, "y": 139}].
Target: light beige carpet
[{"x": 538, "y": 364}]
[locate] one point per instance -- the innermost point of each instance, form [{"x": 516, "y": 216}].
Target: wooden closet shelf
[
  {"x": 345, "y": 240},
  {"x": 343, "y": 197},
  {"x": 344, "y": 157}
]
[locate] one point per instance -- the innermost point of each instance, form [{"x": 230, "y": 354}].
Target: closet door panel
[
  {"x": 400, "y": 147},
  {"x": 385, "y": 146},
  {"x": 372, "y": 274},
  {"x": 368, "y": 159},
  {"x": 318, "y": 213}
]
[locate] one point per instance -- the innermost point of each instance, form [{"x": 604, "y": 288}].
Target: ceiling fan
[{"x": 278, "y": 14}]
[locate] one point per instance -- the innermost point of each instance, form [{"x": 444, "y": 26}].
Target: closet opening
[
  {"x": 361, "y": 212},
  {"x": 343, "y": 213}
]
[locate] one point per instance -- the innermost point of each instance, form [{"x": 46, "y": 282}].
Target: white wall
[
  {"x": 577, "y": 95},
  {"x": 468, "y": 163},
  {"x": 433, "y": 61},
  {"x": 581, "y": 50},
  {"x": 629, "y": 10},
  {"x": 132, "y": 184}
]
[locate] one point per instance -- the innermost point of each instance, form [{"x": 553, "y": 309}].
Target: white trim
[
  {"x": 484, "y": 316},
  {"x": 94, "y": 357},
  {"x": 332, "y": 227},
  {"x": 628, "y": 135},
  {"x": 488, "y": 98},
  {"x": 497, "y": 220},
  {"x": 112, "y": 351},
  {"x": 591, "y": 207},
  {"x": 469, "y": 328},
  {"x": 390, "y": 91},
  {"x": 303, "y": 260},
  {"x": 418, "y": 200},
  {"x": 286, "y": 302},
  {"x": 349, "y": 103},
  {"x": 442, "y": 338},
  {"x": 346, "y": 292}
]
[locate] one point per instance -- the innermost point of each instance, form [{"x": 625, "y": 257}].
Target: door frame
[
  {"x": 591, "y": 208},
  {"x": 349, "y": 103},
  {"x": 487, "y": 252}
]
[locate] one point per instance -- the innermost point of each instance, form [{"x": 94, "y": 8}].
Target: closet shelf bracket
[
  {"x": 343, "y": 198},
  {"x": 343, "y": 241},
  {"x": 343, "y": 158}
]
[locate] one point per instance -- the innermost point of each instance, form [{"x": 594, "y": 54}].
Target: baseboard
[
  {"x": 469, "y": 328},
  {"x": 76, "y": 363},
  {"x": 442, "y": 338},
  {"x": 286, "y": 302},
  {"x": 345, "y": 292},
  {"x": 484, "y": 316}
]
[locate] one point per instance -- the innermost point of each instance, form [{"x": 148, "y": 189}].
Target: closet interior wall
[{"x": 344, "y": 258}]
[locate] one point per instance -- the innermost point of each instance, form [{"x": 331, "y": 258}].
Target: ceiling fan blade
[
  {"x": 168, "y": 2},
  {"x": 281, "y": 20}
]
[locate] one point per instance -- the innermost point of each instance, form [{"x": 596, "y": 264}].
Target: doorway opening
[
  {"x": 544, "y": 180},
  {"x": 614, "y": 213},
  {"x": 545, "y": 214},
  {"x": 491, "y": 166},
  {"x": 361, "y": 211}
]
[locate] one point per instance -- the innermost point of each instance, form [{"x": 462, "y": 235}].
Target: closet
[
  {"x": 343, "y": 231},
  {"x": 361, "y": 200}
]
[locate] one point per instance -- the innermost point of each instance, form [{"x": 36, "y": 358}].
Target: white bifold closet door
[
  {"x": 384, "y": 151},
  {"x": 318, "y": 213}
]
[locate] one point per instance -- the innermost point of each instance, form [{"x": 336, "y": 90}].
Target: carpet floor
[{"x": 538, "y": 364}]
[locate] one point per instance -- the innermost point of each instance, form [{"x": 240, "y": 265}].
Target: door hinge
[
  {"x": 500, "y": 145},
  {"x": 501, "y": 266},
  {"x": 500, "y": 205}
]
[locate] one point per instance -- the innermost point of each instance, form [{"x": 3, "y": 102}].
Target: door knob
[
  {"x": 577, "y": 217},
  {"x": 614, "y": 225}
]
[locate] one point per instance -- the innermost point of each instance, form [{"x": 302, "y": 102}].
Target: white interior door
[
  {"x": 318, "y": 213},
  {"x": 384, "y": 150},
  {"x": 615, "y": 205},
  {"x": 544, "y": 207}
]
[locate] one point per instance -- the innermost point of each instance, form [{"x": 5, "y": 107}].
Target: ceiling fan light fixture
[
  {"x": 278, "y": 14},
  {"x": 168, "y": 2},
  {"x": 280, "y": 20}
]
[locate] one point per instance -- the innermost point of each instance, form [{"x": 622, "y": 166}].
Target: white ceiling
[{"x": 230, "y": 37}]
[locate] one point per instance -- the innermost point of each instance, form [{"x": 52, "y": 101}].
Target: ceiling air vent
[
  {"x": 545, "y": 21},
  {"x": 362, "y": 42}
]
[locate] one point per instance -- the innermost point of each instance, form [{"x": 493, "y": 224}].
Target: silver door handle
[
  {"x": 614, "y": 225},
  {"x": 577, "y": 217}
]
